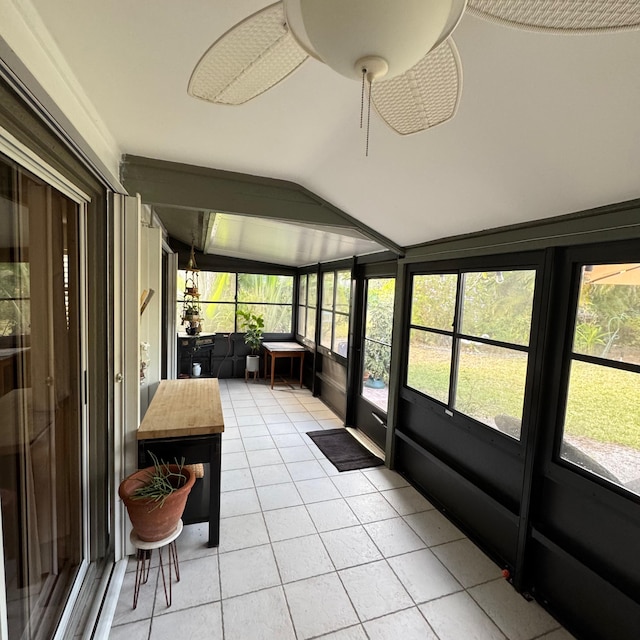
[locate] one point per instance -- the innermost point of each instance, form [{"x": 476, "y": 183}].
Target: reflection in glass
[
  {"x": 429, "y": 364},
  {"x": 433, "y": 300},
  {"x": 608, "y": 316},
  {"x": 41, "y": 427},
  {"x": 497, "y": 305},
  {"x": 491, "y": 382},
  {"x": 602, "y": 423}
]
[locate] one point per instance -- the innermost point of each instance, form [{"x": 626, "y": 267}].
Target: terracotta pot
[{"x": 150, "y": 521}]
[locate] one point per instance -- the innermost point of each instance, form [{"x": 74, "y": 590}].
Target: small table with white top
[{"x": 275, "y": 350}]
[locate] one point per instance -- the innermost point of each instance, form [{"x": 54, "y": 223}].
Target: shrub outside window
[
  {"x": 222, "y": 294},
  {"x": 469, "y": 341}
]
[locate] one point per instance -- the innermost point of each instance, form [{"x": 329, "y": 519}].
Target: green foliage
[
  {"x": 603, "y": 402},
  {"x": 498, "y": 305},
  {"x": 253, "y": 326},
  {"x": 588, "y": 336},
  {"x": 264, "y": 294},
  {"x": 608, "y": 321},
  {"x": 379, "y": 326},
  {"x": 377, "y": 360},
  {"x": 161, "y": 482}
]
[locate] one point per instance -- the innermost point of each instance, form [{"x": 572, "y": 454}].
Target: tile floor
[{"x": 307, "y": 552}]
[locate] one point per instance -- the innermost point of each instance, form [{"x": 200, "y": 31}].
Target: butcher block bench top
[{"x": 181, "y": 408}]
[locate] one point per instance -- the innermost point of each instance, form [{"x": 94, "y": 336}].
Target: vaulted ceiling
[{"x": 547, "y": 124}]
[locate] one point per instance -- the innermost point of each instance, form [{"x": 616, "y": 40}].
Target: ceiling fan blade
[
  {"x": 250, "y": 58},
  {"x": 424, "y": 96},
  {"x": 568, "y": 16}
]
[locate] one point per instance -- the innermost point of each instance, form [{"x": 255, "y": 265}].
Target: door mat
[{"x": 343, "y": 450}]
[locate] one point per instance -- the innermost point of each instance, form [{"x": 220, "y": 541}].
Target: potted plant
[
  {"x": 253, "y": 326},
  {"x": 155, "y": 498},
  {"x": 378, "y": 370},
  {"x": 191, "y": 313}
]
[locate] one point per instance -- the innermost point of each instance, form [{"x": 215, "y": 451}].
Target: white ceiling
[{"x": 547, "y": 124}]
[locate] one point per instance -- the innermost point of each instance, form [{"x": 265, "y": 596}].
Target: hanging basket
[{"x": 150, "y": 520}]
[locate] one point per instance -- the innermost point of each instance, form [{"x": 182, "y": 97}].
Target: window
[
  {"x": 269, "y": 295},
  {"x": 469, "y": 343},
  {"x": 45, "y": 504},
  {"x": 334, "y": 314},
  {"x": 601, "y": 431},
  {"x": 221, "y": 294},
  {"x": 307, "y": 293},
  {"x": 377, "y": 340},
  {"x": 15, "y": 307}
]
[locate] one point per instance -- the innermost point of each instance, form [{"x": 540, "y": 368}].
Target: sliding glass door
[{"x": 41, "y": 428}]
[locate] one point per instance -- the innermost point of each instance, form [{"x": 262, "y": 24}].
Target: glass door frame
[
  {"x": 13, "y": 149},
  {"x": 361, "y": 413}
]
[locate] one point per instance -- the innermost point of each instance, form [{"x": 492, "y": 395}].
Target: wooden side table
[{"x": 275, "y": 350}]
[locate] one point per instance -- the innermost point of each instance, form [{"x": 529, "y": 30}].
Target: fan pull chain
[
  {"x": 364, "y": 73},
  {"x": 368, "y": 120}
]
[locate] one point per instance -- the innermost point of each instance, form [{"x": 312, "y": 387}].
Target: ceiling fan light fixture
[
  {"x": 372, "y": 67},
  {"x": 342, "y": 32}
]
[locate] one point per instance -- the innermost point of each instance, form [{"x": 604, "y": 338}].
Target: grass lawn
[{"x": 603, "y": 403}]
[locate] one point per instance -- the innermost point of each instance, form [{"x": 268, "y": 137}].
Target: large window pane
[
  {"x": 429, "y": 364},
  {"x": 254, "y": 287},
  {"x": 433, "y": 300},
  {"x": 302, "y": 320},
  {"x": 602, "y": 423},
  {"x": 497, "y": 305},
  {"x": 608, "y": 317},
  {"x": 491, "y": 383}
]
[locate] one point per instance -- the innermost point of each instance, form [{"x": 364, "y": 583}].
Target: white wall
[
  {"x": 26, "y": 43},
  {"x": 150, "y": 277}
]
